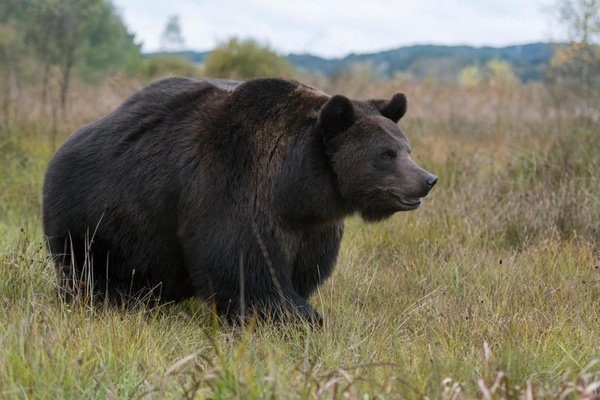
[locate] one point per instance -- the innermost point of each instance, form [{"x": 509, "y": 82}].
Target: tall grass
[{"x": 490, "y": 290}]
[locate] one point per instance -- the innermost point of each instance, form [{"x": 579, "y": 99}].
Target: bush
[
  {"x": 160, "y": 65},
  {"x": 245, "y": 59}
]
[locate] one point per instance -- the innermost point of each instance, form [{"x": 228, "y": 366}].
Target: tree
[
  {"x": 245, "y": 59},
  {"x": 581, "y": 18},
  {"x": 58, "y": 30},
  {"x": 84, "y": 34},
  {"x": 109, "y": 46},
  {"x": 40, "y": 38},
  {"x": 575, "y": 68},
  {"x": 172, "y": 41},
  {"x": 13, "y": 53}
]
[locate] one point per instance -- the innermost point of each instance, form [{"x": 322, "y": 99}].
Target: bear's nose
[{"x": 431, "y": 181}]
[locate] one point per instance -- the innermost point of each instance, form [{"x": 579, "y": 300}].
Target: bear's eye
[{"x": 388, "y": 154}]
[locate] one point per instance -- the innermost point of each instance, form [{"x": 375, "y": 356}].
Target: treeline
[{"x": 442, "y": 62}]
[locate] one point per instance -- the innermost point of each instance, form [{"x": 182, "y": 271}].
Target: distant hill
[
  {"x": 528, "y": 60},
  {"x": 441, "y": 62}
]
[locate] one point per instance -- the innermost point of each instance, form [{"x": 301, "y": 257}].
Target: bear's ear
[
  {"x": 336, "y": 115},
  {"x": 393, "y": 109}
]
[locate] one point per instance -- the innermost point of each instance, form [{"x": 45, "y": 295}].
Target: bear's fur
[{"x": 235, "y": 192}]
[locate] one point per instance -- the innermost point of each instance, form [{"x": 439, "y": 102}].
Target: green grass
[{"x": 490, "y": 290}]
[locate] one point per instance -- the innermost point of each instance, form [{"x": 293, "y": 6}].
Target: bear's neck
[{"x": 306, "y": 192}]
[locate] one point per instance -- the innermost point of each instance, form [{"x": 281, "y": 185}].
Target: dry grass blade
[
  {"x": 485, "y": 391},
  {"x": 529, "y": 394},
  {"x": 173, "y": 368},
  {"x": 110, "y": 393},
  {"x": 590, "y": 391}
]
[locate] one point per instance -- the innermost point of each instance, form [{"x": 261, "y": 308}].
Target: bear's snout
[{"x": 431, "y": 181}]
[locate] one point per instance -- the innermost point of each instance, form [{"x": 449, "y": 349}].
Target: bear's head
[{"x": 370, "y": 156}]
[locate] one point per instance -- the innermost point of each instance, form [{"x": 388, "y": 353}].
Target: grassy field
[{"x": 490, "y": 290}]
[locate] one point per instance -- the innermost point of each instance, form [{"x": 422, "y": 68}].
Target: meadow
[{"x": 490, "y": 290}]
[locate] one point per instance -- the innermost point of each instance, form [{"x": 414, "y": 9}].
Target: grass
[{"x": 490, "y": 290}]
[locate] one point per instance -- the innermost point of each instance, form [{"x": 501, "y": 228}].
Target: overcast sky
[{"x": 335, "y": 28}]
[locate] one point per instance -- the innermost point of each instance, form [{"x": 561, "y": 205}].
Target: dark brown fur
[{"x": 226, "y": 190}]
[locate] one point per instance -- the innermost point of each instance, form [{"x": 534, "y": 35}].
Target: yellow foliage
[
  {"x": 501, "y": 73},
  {"x": 470, "y": 76},
  {"x": 494, "y": 73}
]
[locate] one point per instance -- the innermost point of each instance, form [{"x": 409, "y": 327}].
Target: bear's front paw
[
  {"x": 287, "y": 311},
  {"x": 308, "y": 313}
]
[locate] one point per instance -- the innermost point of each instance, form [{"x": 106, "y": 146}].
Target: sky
[{"x": 336, "y": 28}]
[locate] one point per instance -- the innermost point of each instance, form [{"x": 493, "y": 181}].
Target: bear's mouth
[{"x": 408, "y": 203}]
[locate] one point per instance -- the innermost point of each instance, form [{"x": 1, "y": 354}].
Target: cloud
[{"x": 336, "y": 27}]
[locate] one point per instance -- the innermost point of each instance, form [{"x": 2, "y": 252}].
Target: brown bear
[{"x": 234, "y": 192}]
